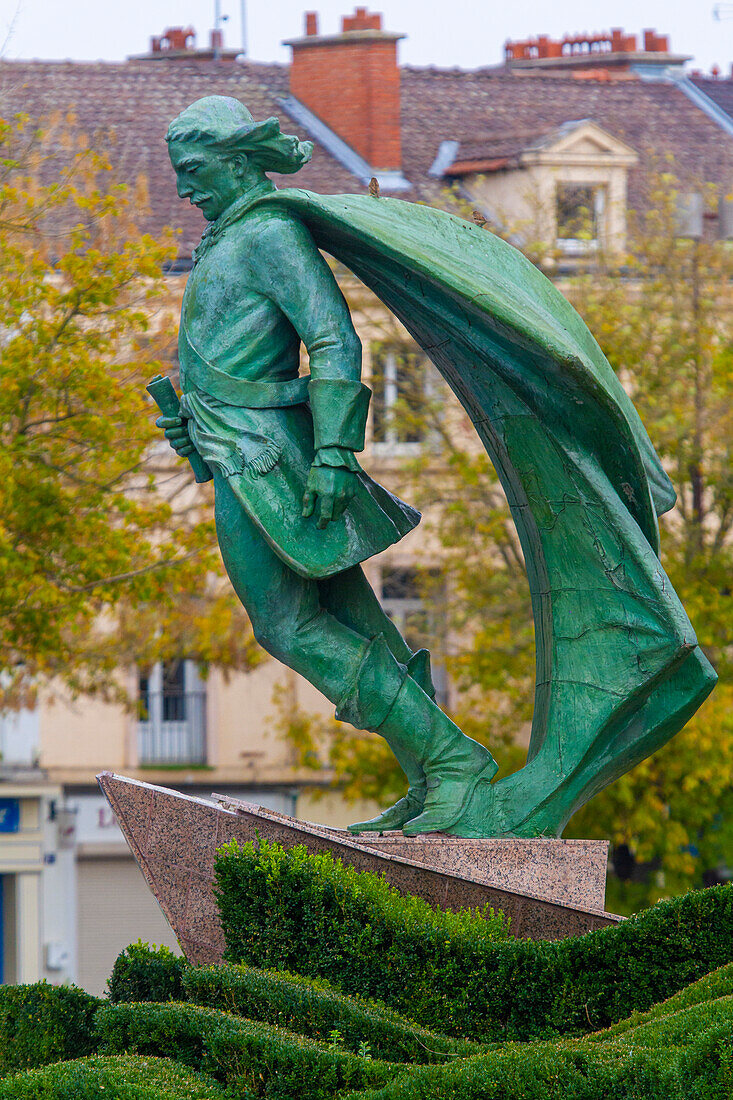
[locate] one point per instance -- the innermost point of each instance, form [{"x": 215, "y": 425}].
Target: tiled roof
[
  {"x": 485, "y": 108},
  {"x": 491, "y": 113},
  {"x": 132, "y": 104},
  {"x": 488, "y": 146},
  {"x": 720, "y": 91}
]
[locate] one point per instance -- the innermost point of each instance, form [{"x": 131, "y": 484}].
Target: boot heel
[{"x": 431, "y": 821}]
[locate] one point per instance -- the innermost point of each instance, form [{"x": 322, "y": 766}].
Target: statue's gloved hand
[
  {"x": 176, "y": 433},
  {"x": 328, "y": 491}
]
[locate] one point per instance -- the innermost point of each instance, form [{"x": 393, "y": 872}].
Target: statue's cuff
[
  {"x": 338, "y": 457},
  {"x": 339, "y": 407}
]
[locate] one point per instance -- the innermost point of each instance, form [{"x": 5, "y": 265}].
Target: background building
[{"x": 560, "y": 128}]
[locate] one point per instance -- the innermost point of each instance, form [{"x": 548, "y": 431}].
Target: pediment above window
[
  {"x": 583, "y": 141},
  {"x": 580, "y": 141}
]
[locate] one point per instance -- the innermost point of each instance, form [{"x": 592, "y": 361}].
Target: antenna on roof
[
  {"x": 217, "y": 37},
  {"x": 243, "y": 21}
]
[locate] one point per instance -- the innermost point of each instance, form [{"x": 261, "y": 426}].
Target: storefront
[
  {"x": 27, "y": 849},
  {"x": 71, "y": 895}
]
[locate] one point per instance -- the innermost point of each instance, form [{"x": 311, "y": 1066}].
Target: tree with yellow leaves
[{"x": 104, "y": 557}]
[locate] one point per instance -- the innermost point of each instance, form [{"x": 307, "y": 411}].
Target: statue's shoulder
[
  {"x": 274, "y": 216},
  {"x": 257, "y": 231},
  {"x": 277, "y": 227}
]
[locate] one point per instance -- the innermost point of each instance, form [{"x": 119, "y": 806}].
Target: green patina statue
[{"x": 619, "y": 670}]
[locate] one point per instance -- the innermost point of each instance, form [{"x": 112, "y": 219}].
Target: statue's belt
[
  {"x": 250, "y": 395},
  {"x": 198, "y": 373}
]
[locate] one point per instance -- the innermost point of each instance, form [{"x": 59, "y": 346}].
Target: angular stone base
[
  {"x": 572, "y": 872},
  {"x": 174, "y": 838}
]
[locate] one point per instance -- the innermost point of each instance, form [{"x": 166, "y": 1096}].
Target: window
[
  {"x": 171, "y": 714},
  {"x": 402, "y": 384},
  {"x": 579, "y": 212},
  {"x": 418, "y": 621},
  {"x": 19, "y": 741}
]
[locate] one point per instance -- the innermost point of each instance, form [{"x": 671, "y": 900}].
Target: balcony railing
[{"x": 173, "y": 731}]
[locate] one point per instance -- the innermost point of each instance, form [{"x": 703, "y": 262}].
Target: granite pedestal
[
  {"x": 174, "y": 838},
  {"x": 572, "y": 872}
]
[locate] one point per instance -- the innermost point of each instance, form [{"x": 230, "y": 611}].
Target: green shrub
[
  {"x": 254, "y": 1059},
  {"x": 117, "y": 1078},
  {"x": 316, "y": 1009},
  {"x": 684, "y": 1055},
  {"x": 716, "y": 985},
  {"x": 453, "y": 972},
  {"x": 678, "y": 1029},
  {"x": 309, "y": 914},
  {"x": 144, "y": 973},
  {"x": 44, "y": 1023},
  {"x": 515, "y": 1072}
]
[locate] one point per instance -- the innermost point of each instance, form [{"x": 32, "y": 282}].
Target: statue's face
[{"x": 210, "y": 180}]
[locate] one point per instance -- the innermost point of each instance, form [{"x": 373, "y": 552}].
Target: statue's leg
[
  {"x": 370, "y": 687},
  {"x": 284, "y": 608},
  {"x": 352, "y": 600},
  {"x": 453, "y": 764}
]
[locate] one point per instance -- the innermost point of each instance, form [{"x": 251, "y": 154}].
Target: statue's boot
[
  {"x": 411, "y": 805},
  {"x": 453, "y": 763},
  {"x": 415, "y": 727}
]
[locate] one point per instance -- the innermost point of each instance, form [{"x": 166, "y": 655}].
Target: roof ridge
[{"x": 487, "y": 72}]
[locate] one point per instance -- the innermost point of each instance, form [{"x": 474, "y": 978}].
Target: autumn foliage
[{"x": 105, "y": 555}]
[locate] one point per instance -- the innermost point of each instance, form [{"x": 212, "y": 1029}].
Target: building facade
[{"x": 543, "y": 143}]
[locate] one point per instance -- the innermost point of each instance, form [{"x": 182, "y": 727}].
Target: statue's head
[{"x": 219, "y": 152}]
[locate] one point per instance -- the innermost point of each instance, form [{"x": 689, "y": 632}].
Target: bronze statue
[{"x": 619, "y": 669}]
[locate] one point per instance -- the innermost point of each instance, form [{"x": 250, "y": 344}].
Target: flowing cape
[
  {"x": 478, "y": 308},
  {"x": 580, "y": 474}
]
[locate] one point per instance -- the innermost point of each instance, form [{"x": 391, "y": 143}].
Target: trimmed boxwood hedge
[
  {"x": 316, "y": 1009},
  {"x": 254, "y": 1059},
  {"x": 684, "y": 1056},
  {"x": 716, "y": 986},
  {"x": 451, "y": 972},
  {"x": 43, "y": 1023},
  {"x": 145, "y": 973},
  {"x": 126, "y": 1078}
]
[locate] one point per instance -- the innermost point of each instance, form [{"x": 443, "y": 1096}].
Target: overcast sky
[{"x": 444, "y": 33}]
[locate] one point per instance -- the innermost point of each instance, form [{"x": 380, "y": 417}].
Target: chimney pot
[
  {"x": 217, "y": 39},
  {"x": 361, "y": 20},
  {"x": 352, "y": 83},
  {"x": 177, "y": 38}
]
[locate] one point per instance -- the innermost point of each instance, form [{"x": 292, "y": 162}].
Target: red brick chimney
[{"x": 351, "y": 82}]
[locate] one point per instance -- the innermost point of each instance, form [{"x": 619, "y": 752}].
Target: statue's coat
[{"x": 258, "y": 287}]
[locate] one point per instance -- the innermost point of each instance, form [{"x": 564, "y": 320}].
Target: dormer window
[
  {"x": 562, "y": 188},
  {"x": 579, "y": 218}
]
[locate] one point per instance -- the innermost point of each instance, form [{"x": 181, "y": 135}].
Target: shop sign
[{"x": 9, "y": 815}]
